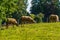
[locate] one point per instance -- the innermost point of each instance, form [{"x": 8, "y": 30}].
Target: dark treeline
[{"x": 46, "y": 7}]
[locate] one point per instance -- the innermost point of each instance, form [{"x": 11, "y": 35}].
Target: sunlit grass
[{"x": 38, "y": 31}]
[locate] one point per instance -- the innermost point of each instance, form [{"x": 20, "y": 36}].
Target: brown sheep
[
  {"x": 53, "y": 18},
  {"x": 27, "y": 19},
  {"x": 11, "y": 21}
]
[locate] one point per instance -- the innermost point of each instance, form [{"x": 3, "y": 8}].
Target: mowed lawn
[{"x": 38, "y": 31}]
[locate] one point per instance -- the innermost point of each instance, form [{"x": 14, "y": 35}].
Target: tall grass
[{"x": 39, "y": 31}]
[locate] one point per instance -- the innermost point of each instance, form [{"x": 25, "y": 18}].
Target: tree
[
  {"x": 7, "y": 7},
  {"x": 21, "y": 10},
  {"x": 35, "y": 9},
  {"x": 47, "y": 7}
]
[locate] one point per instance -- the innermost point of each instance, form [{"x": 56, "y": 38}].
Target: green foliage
[
  {"x": 32, "y": 15},
  {"x": 7, "y": 7},
  {"x": 39, "y": 17},
  {"x": 12, "y": 8},
  {"x": 22, "y": 7}
]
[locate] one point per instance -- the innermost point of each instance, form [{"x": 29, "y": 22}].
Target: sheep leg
[
  {"x": 13, "y": 26},
  {"x": 7, "y": 25}
]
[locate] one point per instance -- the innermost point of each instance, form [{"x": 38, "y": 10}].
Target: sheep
[
  {"x": 11, "y": 21},
  {"x": 53, "y": 18},
  {"x": 27, "y": 19}
]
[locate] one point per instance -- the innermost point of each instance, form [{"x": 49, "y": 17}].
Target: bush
[
  {"x": 39, "y": 17},
  {"x": 32, "y": 15}
]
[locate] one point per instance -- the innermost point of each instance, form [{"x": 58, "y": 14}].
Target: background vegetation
[{"x": 17, "y": 8}]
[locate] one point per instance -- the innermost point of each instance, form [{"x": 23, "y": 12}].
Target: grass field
[{"x": 39, "y": 31}]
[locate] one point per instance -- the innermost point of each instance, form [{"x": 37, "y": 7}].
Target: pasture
[{"x": 39, "y": 31}]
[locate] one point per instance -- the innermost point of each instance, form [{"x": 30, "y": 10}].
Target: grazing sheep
[
  {"x": 53, "y": 18},
  {"x": 11, "y": 21},
  {"x": 27, "y": 19}
]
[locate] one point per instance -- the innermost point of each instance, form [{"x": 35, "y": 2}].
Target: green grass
[{"x": 39, "y": 31}]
